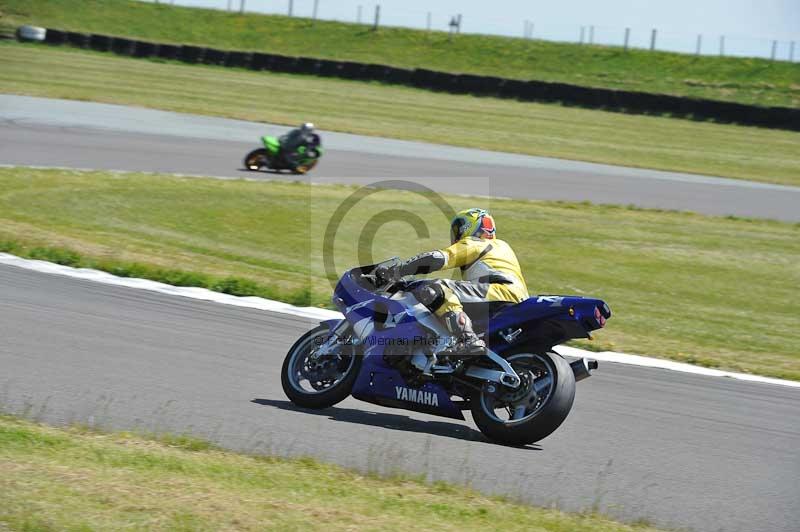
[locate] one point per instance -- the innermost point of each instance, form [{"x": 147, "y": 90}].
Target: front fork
[{"x": 338, "y": 328}]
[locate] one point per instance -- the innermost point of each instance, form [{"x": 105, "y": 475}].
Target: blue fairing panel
[
  {"x": 541, "y": 307},
  {"x": 381, "y": 384}
]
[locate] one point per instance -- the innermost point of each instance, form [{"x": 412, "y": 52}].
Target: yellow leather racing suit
[{"x": 490, "y": 272}]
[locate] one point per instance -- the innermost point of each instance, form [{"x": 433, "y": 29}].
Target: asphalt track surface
[
  {"x": 681, "y": 450},
  {"x": 38, "y": 131}
]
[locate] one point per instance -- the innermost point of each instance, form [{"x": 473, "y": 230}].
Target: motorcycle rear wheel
[
  {"x": 325, "y": 392},
  {"x": 533, "y": 412},
  {"x": 256, "y": 160}
]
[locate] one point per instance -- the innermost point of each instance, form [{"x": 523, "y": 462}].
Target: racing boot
[{"x": 467, "y": 342}]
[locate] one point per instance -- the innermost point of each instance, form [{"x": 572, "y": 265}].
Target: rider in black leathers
[{"x": 295, "y": 139}]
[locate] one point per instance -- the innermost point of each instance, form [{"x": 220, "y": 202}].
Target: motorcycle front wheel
[
  {"x": 256, "y": 160},
  {"x": 532, "y": 411},
  {"x": 312, "y": 379},
  {"x": 305, "y": 167}
]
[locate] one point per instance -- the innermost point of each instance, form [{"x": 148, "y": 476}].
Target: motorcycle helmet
[{"x": 473, "y": 222}]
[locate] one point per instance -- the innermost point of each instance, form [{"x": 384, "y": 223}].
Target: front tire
[
  {"x": 305, "y": 168},
  {"x": 328, "y": 385},
  {"x": 533, "y": 413}
]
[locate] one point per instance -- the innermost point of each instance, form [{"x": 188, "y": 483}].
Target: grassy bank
[
  {"x": 755, "y": 81},
  {"x": 713, "y": 291},
  {"x": 406, "y": 113},
  {"x": 72, "y": 479}
]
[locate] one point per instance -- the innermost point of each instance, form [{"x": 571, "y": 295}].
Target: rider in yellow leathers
[{"x": 490, "y": 272}]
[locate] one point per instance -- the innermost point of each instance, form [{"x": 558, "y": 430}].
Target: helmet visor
[{"x": 457, "y": 229}]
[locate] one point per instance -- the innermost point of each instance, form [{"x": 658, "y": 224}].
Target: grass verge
[
  {"x": 73, "y": 479},
  {"x": 237, "y": 286},
  {"x": 406, "y": 113},
  {"x": 755, "y": 81},
  {"x": 719, "y": 292}
]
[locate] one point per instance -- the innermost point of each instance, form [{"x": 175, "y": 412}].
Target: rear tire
[
  {"x": 543, "y": 421},
  {"x": 318, "y": 399},
  {"x": 256, "y": 160}
]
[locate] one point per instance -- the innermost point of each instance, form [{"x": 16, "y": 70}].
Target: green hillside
[{"x": 754, "y": 81}]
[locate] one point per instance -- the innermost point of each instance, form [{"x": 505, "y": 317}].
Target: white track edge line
[{"x": 326, "y": 314}]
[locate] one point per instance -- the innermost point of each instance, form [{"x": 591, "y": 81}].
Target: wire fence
[{"x": 376, "y": 14}]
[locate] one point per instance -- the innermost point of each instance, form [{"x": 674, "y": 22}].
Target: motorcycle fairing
[
  {"x": 399, "y": 326},
  {"x": 546, "y": 321},
  {"x": 382, "y": 385},
  {"x": 381, "y": 321},
  {"x": 272, "y": 144}
]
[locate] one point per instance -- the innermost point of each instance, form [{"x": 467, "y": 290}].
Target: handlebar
[{"x": 373, "y": 278}]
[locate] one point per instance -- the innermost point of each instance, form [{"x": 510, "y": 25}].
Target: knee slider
[{"x": 431, "y": 295}]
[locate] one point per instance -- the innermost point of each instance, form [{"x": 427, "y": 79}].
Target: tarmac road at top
[{"x": 47, "y": 132}]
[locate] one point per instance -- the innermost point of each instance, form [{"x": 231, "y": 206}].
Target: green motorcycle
[{"x": 271, "y": 156}]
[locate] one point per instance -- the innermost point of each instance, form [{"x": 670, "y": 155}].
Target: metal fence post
[
  {"x": 229, "y": 4},
  {"x": 583, "y": 30},
  {"x": 529, "y": 29},
  {"x": 699, "y": 44},
  {"x": 627, "y": 37},
  {"x": 591, "y": 34},
  {"x": 429, "y": 21},
  {"x": 791, "y": 51},
  {"x": 314, "y": 14},
  {"x": 241, "y": 6},
  {"x": 377, "y": 17},
  {"x": 291, "y": 7},
  {"x": 653, "y": 40},
  {"x": 774, "y": 49},
  {"x": 358, "y": 15},
  {"x": 721, "y": 45}
]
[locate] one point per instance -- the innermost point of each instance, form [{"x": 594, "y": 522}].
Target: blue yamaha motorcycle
[{"x": 390, "y": 350}]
